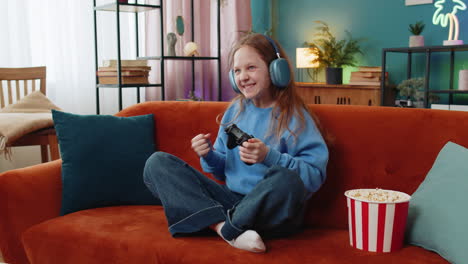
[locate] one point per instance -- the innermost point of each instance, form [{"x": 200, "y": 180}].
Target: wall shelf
[
  {"x": 427, "y": 50},
  {"x": 449, "y": 91},
  {"x": 129, "y": 85},
  {"x": 130, "y": 8},
  {"x": 136, "y": 8}
]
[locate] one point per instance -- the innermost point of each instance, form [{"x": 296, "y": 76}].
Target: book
[
  {"x": 370, "y": 68},
  {"x": 450, "y": 107},
  {"x": 371, "y": 83},
  {"x": 113, "y": 63},
  {"x": 440, "y": 106},
  {"x": 368, "y": 74},
  {"x": 126, "y": 68},
  {"x": 123, "y": 73},
  {"x": 125, "y": 80},
  {"x": 365, "y": 79},
  {"x": 458, "y": 107}
]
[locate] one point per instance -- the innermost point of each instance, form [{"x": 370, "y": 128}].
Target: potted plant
[
  {"x": 413, "y": 90},
  {"x": 416, "y": 40},
  {"x": 333, "y": 54}
]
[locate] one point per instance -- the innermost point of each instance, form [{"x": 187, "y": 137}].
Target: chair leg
[
  {"x": 54, "y": 148},
  {"x": 44, "y": 154}
]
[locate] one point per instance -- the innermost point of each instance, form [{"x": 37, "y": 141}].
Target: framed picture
[{"x": 417, "y": 2}]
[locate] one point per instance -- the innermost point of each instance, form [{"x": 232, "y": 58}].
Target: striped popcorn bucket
[{"x": 377, "y": 226}]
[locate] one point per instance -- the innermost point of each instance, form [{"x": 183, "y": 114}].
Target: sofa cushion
[
  {"x": 103, "y": 159},
  {"x": 138, "y": 234},
  {"x": 437, "y": 213}
]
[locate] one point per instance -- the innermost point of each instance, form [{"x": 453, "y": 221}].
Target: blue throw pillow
[
  {"x": 438, "y": 209},
  {"x": 103, "y": 159}
]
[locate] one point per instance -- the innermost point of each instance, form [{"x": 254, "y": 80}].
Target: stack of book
[
  {"x": 367, "y": 75},
  {"x": 132, "y": 71}
]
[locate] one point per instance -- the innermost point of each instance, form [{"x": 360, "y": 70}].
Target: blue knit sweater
[{"x": 307, "y": 155}]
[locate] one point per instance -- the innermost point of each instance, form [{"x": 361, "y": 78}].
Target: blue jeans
[{"x": 192, "y": 202}]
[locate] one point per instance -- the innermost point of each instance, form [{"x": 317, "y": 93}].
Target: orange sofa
[{"x": 390, "y": 148}]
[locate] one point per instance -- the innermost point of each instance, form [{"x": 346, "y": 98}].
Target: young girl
[{"x": 268, "y": 178}]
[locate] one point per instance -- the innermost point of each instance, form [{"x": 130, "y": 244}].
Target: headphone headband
[{"x": 272, "y": 42}]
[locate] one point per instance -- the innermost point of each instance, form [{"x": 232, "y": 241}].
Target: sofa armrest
[{"x": 28, "y": 196}]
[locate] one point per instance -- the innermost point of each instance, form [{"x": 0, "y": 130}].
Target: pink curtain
[{"x": 235, "y": 18}]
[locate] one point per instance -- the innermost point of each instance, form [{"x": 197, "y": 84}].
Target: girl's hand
[
  {"x": 201, "y": 144},
  {"x": 253, "y": 151}
]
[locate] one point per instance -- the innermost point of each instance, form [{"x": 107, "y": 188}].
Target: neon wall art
[{"x": 443, "y": 19}]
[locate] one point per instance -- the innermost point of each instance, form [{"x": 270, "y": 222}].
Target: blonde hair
[{"x": 288, "y": 103}]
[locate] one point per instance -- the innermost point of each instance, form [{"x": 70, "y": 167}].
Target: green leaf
[
  {"x": 416, "y": 29},
  {"x": 332, "y": 52}
]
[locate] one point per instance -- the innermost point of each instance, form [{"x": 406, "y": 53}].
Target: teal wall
[
  {"x": 261, "y": 15},
  {"x": 383, "y": 23}
]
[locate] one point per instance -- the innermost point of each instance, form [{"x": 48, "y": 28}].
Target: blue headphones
[{"x": 279, "y": 71}]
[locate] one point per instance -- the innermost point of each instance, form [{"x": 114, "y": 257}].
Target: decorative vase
[
  {"x": 334, "y": 75},
  {"x": 463, "y": 80},
  {"x": 180, "y": 25},
  {"x": 416, "y": 41},
  {"x": 171, "y": 42}
]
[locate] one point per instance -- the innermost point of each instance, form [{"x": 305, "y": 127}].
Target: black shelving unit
[
  {"x": 427, "y": 51},
  {"x": 135, "y": 8}
]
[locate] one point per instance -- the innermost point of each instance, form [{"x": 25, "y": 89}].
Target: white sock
[{"x": 249, "y": 240}]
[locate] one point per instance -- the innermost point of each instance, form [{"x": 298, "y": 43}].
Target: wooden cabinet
[{"x": 322, "y": 93}]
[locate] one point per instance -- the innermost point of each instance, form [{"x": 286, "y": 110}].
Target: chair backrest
[{"x": 16, "y": 83}]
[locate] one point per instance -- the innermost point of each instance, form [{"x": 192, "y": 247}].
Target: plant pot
[
  {"x": 416, "y": 41},
  {"x": 334, "y": 75}
]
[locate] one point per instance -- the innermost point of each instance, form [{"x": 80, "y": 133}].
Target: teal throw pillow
[
  {"x": 103, "y": 158},
  {"x": 438, "y": 209}
]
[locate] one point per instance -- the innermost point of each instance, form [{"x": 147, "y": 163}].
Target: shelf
[
  {"x": 131, "y": 8},
  {"x": 177, "y": 58},
  {"x": 189, "y": 58},
  {"x": 449, "y": 91},
  {"x": 135, "y": 8},
  {"x": 129, "y": 85},
  {"x": 149, "y": 58},
  {"x": 428, "y": 48}
]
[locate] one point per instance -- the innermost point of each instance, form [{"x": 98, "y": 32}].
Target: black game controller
[{"x": 236, "y": 137}]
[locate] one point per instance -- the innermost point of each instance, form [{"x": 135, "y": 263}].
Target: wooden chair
[{"x": 28, "y": 77}]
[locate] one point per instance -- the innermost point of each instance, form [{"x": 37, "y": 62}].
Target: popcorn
[{"x": 378, "y": 195}]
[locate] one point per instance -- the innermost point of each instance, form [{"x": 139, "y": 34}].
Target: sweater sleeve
[
  {"x": 215, "y": 160},
  {"x": 307, "y": 155},
  {"x": 214, "y": 163}
]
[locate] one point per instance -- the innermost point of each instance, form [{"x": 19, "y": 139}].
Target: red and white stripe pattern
[{"x": 377, "y": 227}]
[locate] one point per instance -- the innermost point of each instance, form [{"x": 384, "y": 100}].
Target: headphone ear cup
[
  {"x": 232, "y": 80},
  {"x": 279, "y": 73}
]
